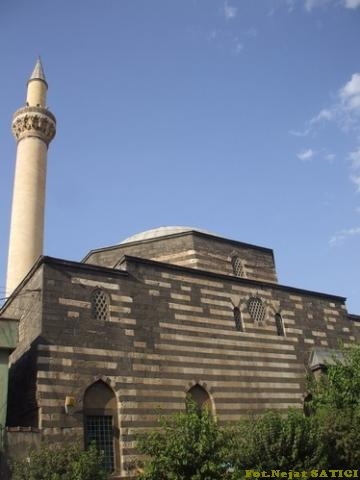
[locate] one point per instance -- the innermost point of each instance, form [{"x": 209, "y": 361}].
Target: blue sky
[{"x": 240, "y": 117}]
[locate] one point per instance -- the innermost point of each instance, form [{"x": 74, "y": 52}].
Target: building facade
[{"x": 109, "y": 343}]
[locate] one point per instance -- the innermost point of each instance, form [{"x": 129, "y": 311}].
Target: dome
[{"x": 161, "y": 232}]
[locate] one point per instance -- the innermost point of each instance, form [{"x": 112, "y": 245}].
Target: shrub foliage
[
  {"x": 188, "y": 446},
  {"x": 60, "y": 463},
  {"x": 288, "y": 441}
]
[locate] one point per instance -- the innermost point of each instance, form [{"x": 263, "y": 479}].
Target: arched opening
[
  {"x": 100, "y": 304},
  {"x": 238, "y": 319},
  {"x": 256, "y": 309},
  {"x": 308, "y": 406},
  {"x": 200, "y": 397},
  {"x": 101, "y": 423},
  {"x": 279, "y": 322},
  {"x": 238, "y": 266}
]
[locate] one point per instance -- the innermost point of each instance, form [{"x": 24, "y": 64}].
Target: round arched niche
[{"x": 101, "y": 423}]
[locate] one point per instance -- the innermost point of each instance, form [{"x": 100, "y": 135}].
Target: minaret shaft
[
  {"x": 34, "y": 128},
  {"x": 36, "y": 93},
  {"x": 27, "y": 216}
]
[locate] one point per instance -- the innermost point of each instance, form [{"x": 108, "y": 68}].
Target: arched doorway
[
  {"x": 201, "y": 397},
  {"x": 101, "y": 423}
]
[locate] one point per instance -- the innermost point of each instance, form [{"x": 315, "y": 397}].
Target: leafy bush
[
  {"x": 336, "y": 404},
  {"x": 189, "y": 445},
  {"x": 339, "y": 388},
  {"x": 60, "y": 463},
  {"x": 341, "y": 435},
  {"x": 288, "y": 441}
]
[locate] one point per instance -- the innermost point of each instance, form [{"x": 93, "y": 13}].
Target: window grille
[
  {"x": 99, "y": 429},
  {"x": 100, "y": 305},
  {"x": 238, "y": 320},
  {"x": 257, "y": 309},
  {"x": 238, "y": 267},
  {"x": 279, "y": 325}
]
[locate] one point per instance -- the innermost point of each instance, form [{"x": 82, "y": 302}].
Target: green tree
[
  {"x": 276, "y": 441},
  {"x": 188, "y": 446},
  {"x": 339, "y": 388},
  {"x": 341, "y": 435},
  {"x": 191, "y": 446},
  {"x": 60, "y": 463},
  {"x": 336, "y": 404}
]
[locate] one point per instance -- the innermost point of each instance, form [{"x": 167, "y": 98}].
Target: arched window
[
  {"x": 200, "y": 396},
  {"x": 238, "y": 266},
  {"x": 238, "y": 319},
  {"x": 100, "y": 304},
  {"x": 308, "y": 407},
  {"x": 279, "y": 323},
  {"x": 100, "y": 422},
  {"x": 256, "y": 309}
]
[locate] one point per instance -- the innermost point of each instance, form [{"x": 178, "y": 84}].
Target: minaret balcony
[{"x": 34, "y": 121}]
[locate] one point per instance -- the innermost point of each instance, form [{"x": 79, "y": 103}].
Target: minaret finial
[{"x": 38, "y": 72}]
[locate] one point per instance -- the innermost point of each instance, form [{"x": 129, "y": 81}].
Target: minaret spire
[
  {"x": 33, "y": 127},
  {"x": 38, "y": 72}
]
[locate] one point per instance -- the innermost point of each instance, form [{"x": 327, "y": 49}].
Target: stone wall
[
  {"x": 194, "y": 250},
  {"x": 215, "y": 255},
  {"x": 26, "y": 308},
  {"x": 170, "y": 328},
  {"x": 18, "y": 443}
]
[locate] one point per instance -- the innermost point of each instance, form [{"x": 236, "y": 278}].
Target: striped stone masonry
[{"x": 157, "y": 330}]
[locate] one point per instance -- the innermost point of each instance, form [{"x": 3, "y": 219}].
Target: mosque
[{"x": 108, "y": 342}]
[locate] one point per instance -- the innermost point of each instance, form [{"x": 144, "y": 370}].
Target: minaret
[{"x": 33, "y": 127}]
